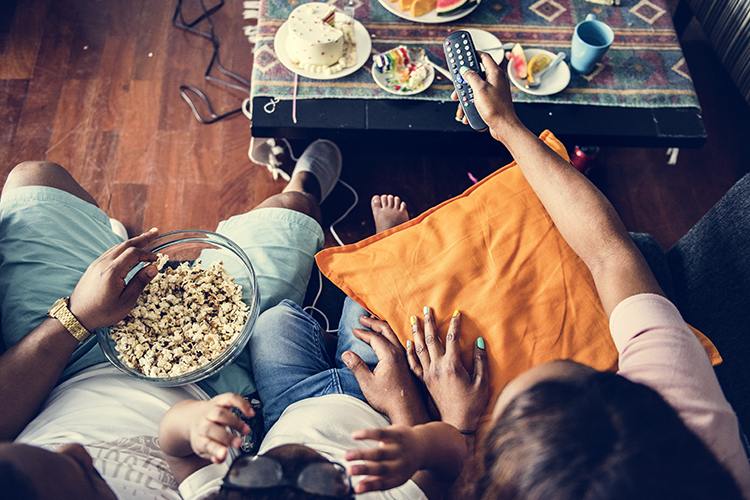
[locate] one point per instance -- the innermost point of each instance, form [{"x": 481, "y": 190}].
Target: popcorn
[{"x": 183, "y": 319}]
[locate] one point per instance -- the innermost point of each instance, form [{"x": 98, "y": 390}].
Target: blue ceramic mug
[{"x": 591, "y": 40}]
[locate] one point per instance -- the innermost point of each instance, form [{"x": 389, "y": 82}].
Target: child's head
[
  {"x": 565, "y": 431},
  {"x": 288, "y": 472}
]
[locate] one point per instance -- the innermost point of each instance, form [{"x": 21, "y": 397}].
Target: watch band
[{"x": 60, "y": 311}]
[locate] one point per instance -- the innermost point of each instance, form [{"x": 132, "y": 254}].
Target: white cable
[{"x": 356, "y": 200}]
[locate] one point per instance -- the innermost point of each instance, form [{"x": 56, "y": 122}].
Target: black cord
[{"x": 181, "y": 23}]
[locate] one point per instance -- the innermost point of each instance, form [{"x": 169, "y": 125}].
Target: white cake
[{"x": 315, "y": 42}]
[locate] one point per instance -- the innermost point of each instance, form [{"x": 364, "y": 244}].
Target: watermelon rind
[{"x": 451, "y": 7}]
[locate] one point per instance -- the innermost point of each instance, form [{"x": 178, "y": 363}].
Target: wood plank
[
  {"x": 40, "y": 106},
  {"x": 72, "y": 126},
  {"x": 151, "y": 49},
  {"x": 24, "y": 38},
  {"x": 137, "y": 143},
  {"x": 12, "y": 96},
  {"x": 127, "y": 203},
  {"x": 114, "y": 83}
]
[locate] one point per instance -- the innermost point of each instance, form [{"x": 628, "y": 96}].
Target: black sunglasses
[{"x": 252, "y": 472}]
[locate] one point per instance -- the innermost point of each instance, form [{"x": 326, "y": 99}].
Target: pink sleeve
[{"x": 658, "y": 349}]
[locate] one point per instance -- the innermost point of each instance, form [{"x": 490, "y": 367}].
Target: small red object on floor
[{"x": 584, "y": 158}]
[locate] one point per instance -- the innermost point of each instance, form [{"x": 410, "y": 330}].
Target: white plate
[
  {"x": 364, "y": 47},
  {"x": 383, "y": 83},
  {"x": 429, "y": 18},
  {"x": 484, "y": 40},
  {"x": 552, "y": 83}
]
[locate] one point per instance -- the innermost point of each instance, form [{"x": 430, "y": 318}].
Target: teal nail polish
[
  {"x": 426, "y": 310},
  {"x": 480, "y": 343},
  {"x": 462, "y": 70},
  {"x": 408, "y": 344}
]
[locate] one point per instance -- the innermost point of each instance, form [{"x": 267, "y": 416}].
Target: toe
[{"x": 376, "y": 202}]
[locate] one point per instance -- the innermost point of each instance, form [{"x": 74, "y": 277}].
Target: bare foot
[{"x": 389, "y": 211}]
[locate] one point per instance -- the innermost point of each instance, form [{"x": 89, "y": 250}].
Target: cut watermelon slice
[
  {"x": 519, "y": 61},
  {"x": 451, "y": 7}
]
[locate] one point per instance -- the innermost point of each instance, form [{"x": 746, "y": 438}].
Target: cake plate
[{"x": 364, "y": 47}]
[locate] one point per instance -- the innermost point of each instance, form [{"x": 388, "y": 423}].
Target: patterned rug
[{"x": 644, "y": 67}]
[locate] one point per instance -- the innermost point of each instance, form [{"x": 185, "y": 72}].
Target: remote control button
[
  {"x": 456, "y": 45},
  {"x": 447, "y": 43},
  {"x": 466, "y": 104}
]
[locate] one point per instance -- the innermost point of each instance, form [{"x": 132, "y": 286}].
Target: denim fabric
[
  {"x": 290, "y": 362},
  {"x": 711, "y": 273},
  {"x": 657, "y": 261}
]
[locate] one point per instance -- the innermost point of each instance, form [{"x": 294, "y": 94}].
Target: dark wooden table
[{"x": 373, "y": 121}]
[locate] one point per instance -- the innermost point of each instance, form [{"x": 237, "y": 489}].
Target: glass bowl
[{"x": 187, "y": 246}]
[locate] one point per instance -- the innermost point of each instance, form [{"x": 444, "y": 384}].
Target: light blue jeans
[{"x": 290, "y": 362}]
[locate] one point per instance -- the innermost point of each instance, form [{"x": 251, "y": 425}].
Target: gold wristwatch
[{"x": 60, "y": 311}]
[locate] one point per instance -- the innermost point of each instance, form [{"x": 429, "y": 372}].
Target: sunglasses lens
[
  {"x": 255, "y": 472},
  {"x": 325, "y": 478}
]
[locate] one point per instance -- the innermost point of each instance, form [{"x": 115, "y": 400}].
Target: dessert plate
[
  {"x": 364, "y": 47},
  {"x": 389, "y": 86},
  {"x": 429, "y": 18},
  {"x": 552, "y": 83},
  {"x": 484, "y": 40}
]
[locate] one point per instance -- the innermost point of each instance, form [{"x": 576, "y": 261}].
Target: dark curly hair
[{"x": 604, "y": 438}]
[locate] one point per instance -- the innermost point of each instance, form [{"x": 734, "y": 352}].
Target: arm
[
  {"x": 195, "y": 433},
  {"x": 460, "y": 397},
  {"x": 431, "y": 454},
  {"x": 30, "y": 368},
  {"x": 583, "y": 215}
]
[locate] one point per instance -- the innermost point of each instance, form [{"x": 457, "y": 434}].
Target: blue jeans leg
[{"x": 290, "y": 363}]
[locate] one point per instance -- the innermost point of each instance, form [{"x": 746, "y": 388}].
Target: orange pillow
[{"x": 494, "y": 254}]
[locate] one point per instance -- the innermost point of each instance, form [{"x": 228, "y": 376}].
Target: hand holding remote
[
  {"x": 492, "y": 98},
  {"x": 460, "y": 53}
]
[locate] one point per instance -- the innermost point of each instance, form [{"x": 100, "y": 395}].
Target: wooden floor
[{"x": 93, "y": 85}]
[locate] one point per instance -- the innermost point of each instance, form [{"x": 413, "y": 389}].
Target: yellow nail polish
[
  {"x": 455, "y": 313},
  {"x": 413, "y": 320}
]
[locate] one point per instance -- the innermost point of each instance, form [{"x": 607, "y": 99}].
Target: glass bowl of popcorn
[{"x": 193, "y": 318}]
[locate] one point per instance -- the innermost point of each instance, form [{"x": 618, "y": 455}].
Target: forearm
[
  {"x": 29, "y": 371},
  {"x": 174, "y": 429},
  {"x": 585, "y": 218},
  {"x": 444, "y": 454},
  {"x": 582, "y": 214},
  {"x": 463, "y": 486}
]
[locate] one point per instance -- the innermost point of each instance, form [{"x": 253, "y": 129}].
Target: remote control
[{"x": 459, "y": 51}]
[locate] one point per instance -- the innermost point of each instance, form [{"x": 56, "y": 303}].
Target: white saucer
[
  {"x": 429, "y": 18},
  {"x": 552, "y": 83},
  {"x": 383, "y": 83},
  {"x": 364, "y": 47},
  {"x": 484, "y": 40}
]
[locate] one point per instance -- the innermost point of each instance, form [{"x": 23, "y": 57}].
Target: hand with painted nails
[
  {"x": 491, "y": 97},
  {"x": 461, "y": 395},
  {"x": 390, "y": 388},
  {"x": 101, "y": 297}
]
